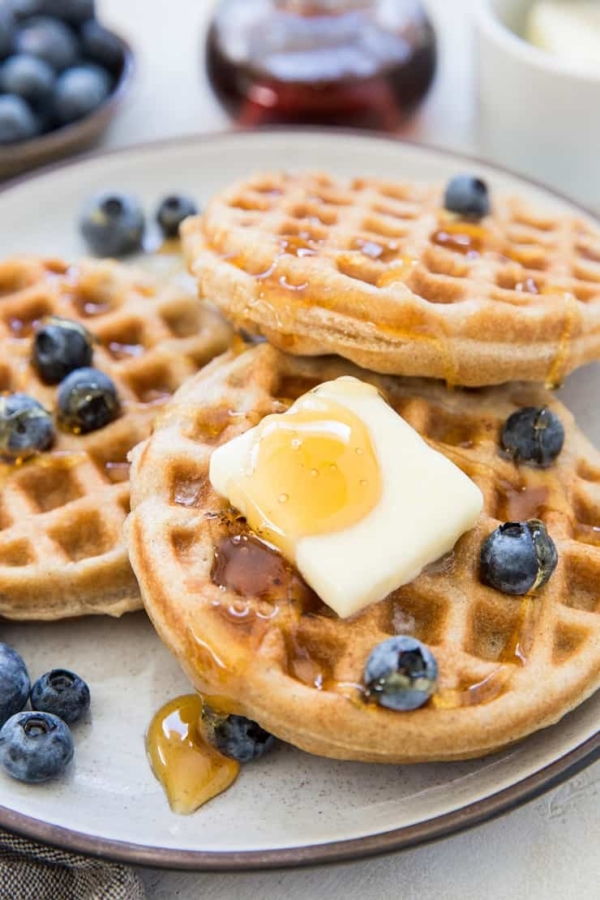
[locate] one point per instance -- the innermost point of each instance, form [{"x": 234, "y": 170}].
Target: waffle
[
  {"x": 61, "y": 514},
  {"x": 264, "y": 646},
  {"x": 380, "y": 274}
]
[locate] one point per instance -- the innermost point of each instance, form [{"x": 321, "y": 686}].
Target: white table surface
[{"x": 544, "y": 850}]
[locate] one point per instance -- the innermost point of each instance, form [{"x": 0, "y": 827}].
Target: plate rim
[{"x": 468, "y": 816}]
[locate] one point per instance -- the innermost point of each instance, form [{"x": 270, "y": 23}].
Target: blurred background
[{"x": 511, "y": 80}]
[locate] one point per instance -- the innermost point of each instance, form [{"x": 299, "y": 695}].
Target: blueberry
[
  {"x": 79, "y": 91},
  {"x": 7, "y": 32},
  {"x": 533, "y": 434},
  {"x": 60, "y": 346},
  {"x": 102, "y": 46},
  {"x": 25, "y": 427},
  {"x": 87, "y": 400},
  {"x": 236, "y": 736},
  {"x": 467, "y": 196},
  {"x": 61, "y": 693},
  {"x": 401, "y": 673},
  {"x": 26, "y": 9},
  {"x": 518, "y": 557},
  {"x": 35, "y": 746},
  {"x": 74, "y": 12},
  {"x": 172, "y": 211},
  {"x": 28, "y": 77},
  {"x": 112, "y": 224},
  {"x": 17, "y": 121},
  {"x": 14, "y": 683},
  {"x": 49, "y": 39}
]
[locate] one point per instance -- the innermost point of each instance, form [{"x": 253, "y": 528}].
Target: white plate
[{"x": 287, "y": 808}]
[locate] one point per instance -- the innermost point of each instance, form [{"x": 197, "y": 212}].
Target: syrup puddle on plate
[{"x": 190, "y": 769}]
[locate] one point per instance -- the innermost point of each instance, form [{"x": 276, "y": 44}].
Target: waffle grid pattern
[
  {"x": 62, "y": 513},
  {"x": 371, "y": 265},
  {"x": 493, "y": 650}
]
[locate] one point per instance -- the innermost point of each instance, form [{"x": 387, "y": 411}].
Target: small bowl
[
  {"x": 537, "y": 111},
  {"x": 69, "y": 139}
]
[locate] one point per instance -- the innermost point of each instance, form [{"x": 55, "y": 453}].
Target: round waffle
[
  {"x": 251, "y": 634},
  {"x": 381, "y": 274},
  {"x": 62, "y": 512}
]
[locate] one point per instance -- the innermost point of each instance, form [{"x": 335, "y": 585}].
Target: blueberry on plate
[
  {"x": 518, "y": 557},
  {"x": 7, "y": 32},
  {"x": 79, "y": 91},
  {"x": 467, "y": 196},
  {"x": 172, "y": 211},
  {"x": 101, "y": 46},
  {"x": 62, "y": 693},
  {"x": 112, "y": 224},
  {"x": 25, "y": 427},
  {"x": 236, "y": 736},
  {"x": 59, "y": 347},
  {"x": 17, "y": 120},
  {"x": 533, "y": 434},
  {"x": 51, "y": 40},
  {"x": 35, "y": 746},
  {"x": 14, "y": 683},
  {"x": 29, "y": 77},
  {"x": 74, "y": 12},
  {"x": 401, "y": 674},
  {"x": 87, "y": 400}
]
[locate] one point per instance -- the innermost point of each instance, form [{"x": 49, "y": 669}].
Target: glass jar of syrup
[{"x": 359, "y": 63}]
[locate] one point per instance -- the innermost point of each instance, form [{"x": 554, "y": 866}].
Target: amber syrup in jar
[{"x": 358, "y": 63}]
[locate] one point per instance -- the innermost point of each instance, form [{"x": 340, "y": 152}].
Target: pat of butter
[
  {"x": 422, "y": 505},
  {"x": 568, "y": 28}
]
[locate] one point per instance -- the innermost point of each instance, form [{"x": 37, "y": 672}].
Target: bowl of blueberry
[{"x": 62, "y": 77}]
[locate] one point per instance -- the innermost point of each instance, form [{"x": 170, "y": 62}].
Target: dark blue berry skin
[
  {"x": 401, "y": 674},
  {"x": 79, "y": 91},
  {"x": 101, "y": 46},
  {"x": 59, "y": 347},
  {"x": 17, "y": 120},
  {"x": 25, "y": 427},
  {"x": 518, "y": 557},
  {"x": 29, "y": 77},
  {"x": 51, "y": 40},
  {"x": 87, "y": 400},
  {"x": 467, "y": 196},
  {"x": 35, "y": 746},
  {"x": 236, "y": 736},
  {"x": 7, "y": 32},
  {"x": 112, "y": 224},
  {"x": 533, "y": 435},
  {"x": 74, "y": 12},
  {"x": 14, "y": 683},
  {"x": 26, "y": 9},
  {"x": 172, "y": 211},
  {"x": 62, "y": 693}
]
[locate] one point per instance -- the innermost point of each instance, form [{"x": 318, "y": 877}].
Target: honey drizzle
[
  {"x": 189, "y": 768},
  {"x": 299, "y": 246},
  {"x": 515, "y": 653},
  {"x": 460, "y": 237},
  {"x": 558, "y": 367},
  {"x": 523, "y": 502}
]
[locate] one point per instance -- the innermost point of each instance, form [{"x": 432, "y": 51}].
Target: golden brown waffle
[
  {"x": 61, "y": 514},
  {"x": 272, "y": 651},
  {"x": 381, "y": 274}
]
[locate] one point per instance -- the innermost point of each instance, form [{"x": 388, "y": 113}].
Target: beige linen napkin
[{"x": 30, "y": 871}]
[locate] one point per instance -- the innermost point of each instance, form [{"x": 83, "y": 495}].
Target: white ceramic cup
[{"x": 538, "y": 114}]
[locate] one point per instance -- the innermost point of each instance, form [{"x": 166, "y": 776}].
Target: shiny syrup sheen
[
  {"x": 314, "y": 472},
  {"x": 190, "y": 769}
]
